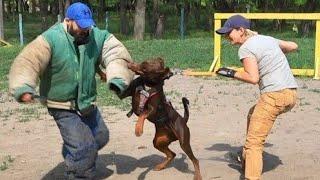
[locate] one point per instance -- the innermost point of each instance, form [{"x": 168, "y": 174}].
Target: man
[{"x": 66, "y": 58}]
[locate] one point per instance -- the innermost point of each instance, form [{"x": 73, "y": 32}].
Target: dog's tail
[{"x": 185, "y": 103}]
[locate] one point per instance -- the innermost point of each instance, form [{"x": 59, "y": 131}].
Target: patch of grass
[
  {"x": 304, "y": 103},
  {"x": 223, "y": 93},
  {"x": 7, "y": 54},
  {"x": 6, "y": 162},
  {"x": 315, "y": 90},
  {"x": 200, "y": 89},
  {"x": 173, "y": 94},
  {"x": 3, "y": 166},
  {"x": 318, "y": 109},
  {"x": 28, "y": 113},
  {"x": 195, "y": 53},
  {"x": 24, "y": 119},
  {"x": 6, "y": 114},
  {"x": 108, "y": 98}
]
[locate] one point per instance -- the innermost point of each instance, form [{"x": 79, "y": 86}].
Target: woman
[{"x": 265, "y": 64}]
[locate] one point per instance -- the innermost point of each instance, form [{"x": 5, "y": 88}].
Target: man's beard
[{"x": 79, "y": 39}]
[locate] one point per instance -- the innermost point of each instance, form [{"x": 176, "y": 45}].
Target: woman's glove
[{"x": 226, "y": 72}]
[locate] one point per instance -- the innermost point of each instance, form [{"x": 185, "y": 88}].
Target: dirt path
[{"x": 30, "y": 142}]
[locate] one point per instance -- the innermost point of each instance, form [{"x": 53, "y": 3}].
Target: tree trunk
[
  {"x": 278, "y": 24},
  {"x": 160, "y": 27},
  {"x": 155, "y": 17},
  {"x": 44, "y": 13},
  {"x": 123, "y": 18},
  {"x": 9, "y": 7},
  {"x": 1, "y": 20},
  {"x": 54, "y": 8},
  {"x": 61, "y": 9},
  {"x": 223, "y": 6},
  {"x": 6, "y": 11},
  {"x": 13, "y": 11},
  {"x": 66, "y": 5},
  {"x": 187, "y": 10},
  {"x": 266, "y": 6},
  {"x": 25, "y": 6},
  {"x": 305, "y": 26},
  {"x": 197, "y": 12},
  {"x": 20, "y": 6},
  {"x": 16, "y": 6},
  {"x": 139, "y": 20},
  {"x": 209, "y": 8},
  {"x": 101, "y": 9},
  {"x": 33, "y": 6}
]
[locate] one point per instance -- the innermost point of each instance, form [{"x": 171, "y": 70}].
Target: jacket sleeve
[
  {"x": 28, "y": 66},
  {"x": 115, "y": 57}
]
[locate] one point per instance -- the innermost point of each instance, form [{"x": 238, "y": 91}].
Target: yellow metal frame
[{"x": 292, "y": 16}]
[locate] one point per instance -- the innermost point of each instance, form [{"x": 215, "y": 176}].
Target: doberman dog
[{"x": 149, "y": 102}]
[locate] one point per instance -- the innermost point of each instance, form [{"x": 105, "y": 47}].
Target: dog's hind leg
[
  {"x": 161, "y": 142},
  {"x": 184, "y": 140}
]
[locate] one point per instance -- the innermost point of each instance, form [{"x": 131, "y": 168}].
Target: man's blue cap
[
  {"x": 234, "y": 22},
  {"x": 81, "y": 14}
]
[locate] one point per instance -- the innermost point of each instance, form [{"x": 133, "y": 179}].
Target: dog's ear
[
  {"x": 167, "y": 74},
  {"x": 135, "y": 68}
]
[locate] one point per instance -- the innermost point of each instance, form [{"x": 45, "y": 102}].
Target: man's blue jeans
[{"x": 82, "y": 138}]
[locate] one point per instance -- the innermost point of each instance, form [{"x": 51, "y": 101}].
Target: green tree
[
  {"x": 1, "y": 20},
  {"x": 124, "y": 24}
]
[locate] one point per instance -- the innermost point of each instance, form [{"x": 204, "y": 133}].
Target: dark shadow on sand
[
  {"x": 123, "y": 164},
  {"x": 270, "y": 161}
]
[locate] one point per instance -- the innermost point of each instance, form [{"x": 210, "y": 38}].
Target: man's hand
[
  {"x": 27, "y": 98},
  {"x": 226, "y": 72}
]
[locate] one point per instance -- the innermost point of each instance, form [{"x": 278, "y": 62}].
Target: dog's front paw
[{"x": 139, "y": 130}]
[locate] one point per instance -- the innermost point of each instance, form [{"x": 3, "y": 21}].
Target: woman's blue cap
[{"x": 234, "y": 22}]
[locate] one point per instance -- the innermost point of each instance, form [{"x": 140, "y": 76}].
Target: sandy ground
[{"x": 30, "y": 143}]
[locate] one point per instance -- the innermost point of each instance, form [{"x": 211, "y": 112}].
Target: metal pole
[
  {"x": 107, "y": 20},
  {"x": 248, "y": 8},
  {"x": 20, "y": 29},
  {"x": 182, "y": 23},
  {"x": 59, "y": 18}
]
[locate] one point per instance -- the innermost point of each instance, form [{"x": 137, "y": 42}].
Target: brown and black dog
[{"x": 149, "y": 102}]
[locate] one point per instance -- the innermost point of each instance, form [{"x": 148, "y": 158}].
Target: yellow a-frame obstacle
[
  {"x": 6, "y": 44},
  {"x": 292, "y": 16}
]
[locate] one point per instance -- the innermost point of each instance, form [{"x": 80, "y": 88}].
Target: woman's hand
[{"x": 287, "y": 46}]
